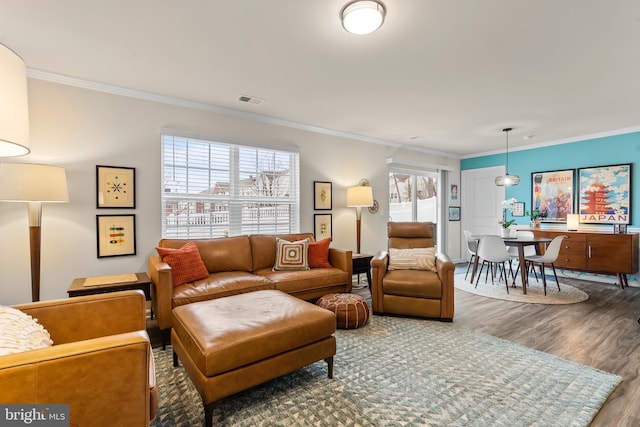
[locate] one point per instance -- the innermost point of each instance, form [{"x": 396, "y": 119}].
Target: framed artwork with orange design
[
  {"x": 116, "y": 235},
  {"x": 116, "y": 187}
]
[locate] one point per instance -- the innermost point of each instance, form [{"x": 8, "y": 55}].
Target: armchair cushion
[
  {"x": 412, "y": 259},
  {"x": 20, "y": 332},
  {"x": 186, "y": 263},
  {"x": 292, "y": 255}
]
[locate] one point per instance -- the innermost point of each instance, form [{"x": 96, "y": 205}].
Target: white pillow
[
  {"x": 20, "y": 332},
  {"x": 412, "y": 259}
]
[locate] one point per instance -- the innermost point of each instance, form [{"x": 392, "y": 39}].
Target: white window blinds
[{"x": 216, "y": 189}]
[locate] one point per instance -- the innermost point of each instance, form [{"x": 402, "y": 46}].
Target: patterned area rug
[
  {"x": 405, "y": 372},
  {"x": 535, "y": 291}
]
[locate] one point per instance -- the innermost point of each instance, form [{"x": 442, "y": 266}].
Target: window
[
  {"x": 413, "y": 196},
  {"x": 216, "y": 189}
]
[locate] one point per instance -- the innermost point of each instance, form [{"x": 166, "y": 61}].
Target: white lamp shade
[
  {"x": 363, "y": 17},
  {"x": 25, "y": 182},
  {"x": 573, "y": 222},
  {"x": 14, "y": 106},
  {"x": 359, "y": 196}
]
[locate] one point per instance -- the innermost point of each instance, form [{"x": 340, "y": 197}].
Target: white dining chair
[
  {"x": 528, "y": 251},
  {"x": 472, "y": 249},
  {"x": 549, "y": 258},
  {"x": 493, "y": 252}
]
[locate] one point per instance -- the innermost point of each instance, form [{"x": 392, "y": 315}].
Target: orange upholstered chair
[{"x": 411, "y": 288}]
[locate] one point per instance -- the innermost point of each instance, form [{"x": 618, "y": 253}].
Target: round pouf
[{"x": 352, "y": 311}]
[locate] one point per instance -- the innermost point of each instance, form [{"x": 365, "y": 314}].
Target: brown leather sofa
[
  {"x": 243, "y": 264},
  {"x": 412, "y": 292},
  {"x": 101, "y": 362}
]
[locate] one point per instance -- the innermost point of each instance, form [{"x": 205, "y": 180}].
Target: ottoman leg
[
  {"x": 329, "y": 361},
  {"x": 208, "y": 413}
]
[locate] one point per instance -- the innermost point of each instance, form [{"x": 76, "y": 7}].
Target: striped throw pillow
[
  {"x": 412, "y": 259},
  {"x": 292, "y": 255}
]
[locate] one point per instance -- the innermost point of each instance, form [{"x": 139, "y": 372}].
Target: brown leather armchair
[
  {"x": 418, "y": 293},
  {"x": 100, "y": 362}
]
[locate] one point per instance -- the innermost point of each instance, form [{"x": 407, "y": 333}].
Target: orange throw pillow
[
  {"x": 319, "y": 254},
  {"x": 186, "y": 264}
]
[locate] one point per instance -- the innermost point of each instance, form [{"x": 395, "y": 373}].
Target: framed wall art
[
  {"x": 517, "y": 209},
  {"x": 322, "y": 226},
  {"x": 322, "y": 197},
  {"x": 116, "y": 235},
  {"x": 552, "y": 194},
  {"x": 116, "y": 187},
  {"x": 454, "y": 213},
  {"x": 454, "y": 194},
  {"x": 604, "y": 194}
]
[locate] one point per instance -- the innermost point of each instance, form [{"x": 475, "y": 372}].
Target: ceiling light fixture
[
  {"x": 507, "y": 180},
  {"x": 362, "y": 16}
]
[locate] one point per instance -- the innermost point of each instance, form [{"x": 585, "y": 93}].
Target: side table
[
  {"x": 361, "y": 263},
  {"x": 77, "y": 287}
]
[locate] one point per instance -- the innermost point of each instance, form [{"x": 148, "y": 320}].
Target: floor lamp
[
  {"x": 33, "y": 184},
  {"x": 359, "y": 197}
]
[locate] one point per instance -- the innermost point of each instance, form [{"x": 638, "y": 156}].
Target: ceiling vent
[{"x": 250, "y": 99}]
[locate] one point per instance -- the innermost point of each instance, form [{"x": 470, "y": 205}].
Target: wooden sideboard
[{"x": 597, "y": 252}]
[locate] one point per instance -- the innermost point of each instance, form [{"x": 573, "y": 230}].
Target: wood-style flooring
[{"x": 601, "y": 332}]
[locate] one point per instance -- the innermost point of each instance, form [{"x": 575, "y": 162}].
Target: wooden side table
[
  {"x": 77, "y": 287},
  {"x": 361, "y": 263}
]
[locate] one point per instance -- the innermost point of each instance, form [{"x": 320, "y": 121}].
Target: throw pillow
[
  {"x": 412, "y": 259},
  {"x": 319, "y": 254},
  {"x": 186, "y": 264},
  {"x": 292, "y": 255},
  {"x": 20, "y": 332}
]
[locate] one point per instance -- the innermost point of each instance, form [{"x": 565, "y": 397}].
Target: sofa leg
[
  {"x": 329, "y": 361},
  {"x": 176, "y": 363},
  {"x": 166, "y": 334}
]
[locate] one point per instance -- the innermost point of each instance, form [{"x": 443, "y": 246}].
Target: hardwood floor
[{"x": 601, "y": 332}]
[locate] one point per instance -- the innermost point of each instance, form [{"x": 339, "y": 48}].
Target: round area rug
[{"x": 535, "y": 292}]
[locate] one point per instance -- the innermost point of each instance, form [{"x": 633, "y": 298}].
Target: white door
[{"x": 480, "y": 200}]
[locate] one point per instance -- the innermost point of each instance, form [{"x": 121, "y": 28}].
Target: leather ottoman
[
  {"x": 230, "y": 344},
  {"x": 352, "y": 311}
]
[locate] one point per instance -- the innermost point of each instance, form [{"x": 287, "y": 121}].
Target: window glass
[{"x": 215, "y": 189}]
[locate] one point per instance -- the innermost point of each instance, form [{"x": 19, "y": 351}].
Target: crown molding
[{"x": 212, "y": 108}]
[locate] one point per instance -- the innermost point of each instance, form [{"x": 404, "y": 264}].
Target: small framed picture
[
  {"x": 115, "y": 187},
  {"x": 322, "y": 226},
  {"x": 517, "y": 209},
  {"x": 322, "y": 197},
  {"x": 454, "y": 213},
  {"x": 116, "y": 235}
]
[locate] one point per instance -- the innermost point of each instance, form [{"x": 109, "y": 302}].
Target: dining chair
[
  {"x": 493, "y": 252},
  {"x": 549, "y": 258},
  {"x": 472, "y": 249},
  {"x": 528, "y": 251}
]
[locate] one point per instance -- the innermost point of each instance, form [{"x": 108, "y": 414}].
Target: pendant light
[{"x": 507, "y": 180}]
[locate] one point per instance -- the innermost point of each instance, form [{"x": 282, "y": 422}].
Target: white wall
[{"x": 78, "y": 129}]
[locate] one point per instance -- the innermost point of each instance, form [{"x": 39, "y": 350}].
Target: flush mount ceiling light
[
  {"x": 363, "y": 17},
  {"x": 507, "y": 180}
]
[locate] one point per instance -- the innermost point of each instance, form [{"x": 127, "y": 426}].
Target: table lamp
[
  {"x": 359, "y": 197},
  {"x": 33, "y": 184},
  {"x": 573, "y": 222}
]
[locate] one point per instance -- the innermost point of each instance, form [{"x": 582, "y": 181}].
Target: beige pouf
[{"x": 352, "y": 311}]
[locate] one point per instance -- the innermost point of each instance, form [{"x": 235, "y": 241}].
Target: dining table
[{"x": 519, "y": 242}]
